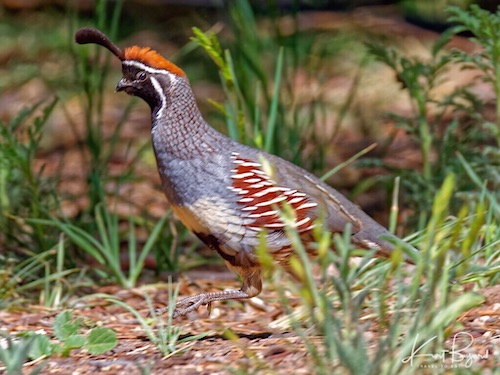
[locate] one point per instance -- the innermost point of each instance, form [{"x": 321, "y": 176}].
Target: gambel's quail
[{"x": 228, "y": 194}]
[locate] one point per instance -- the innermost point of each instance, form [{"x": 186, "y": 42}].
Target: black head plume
[{"x": 88, "y": 35}]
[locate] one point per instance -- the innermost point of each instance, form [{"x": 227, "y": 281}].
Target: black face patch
[
  {"x": 137, "y": 82},
  {"x": 129, "y": 72}
]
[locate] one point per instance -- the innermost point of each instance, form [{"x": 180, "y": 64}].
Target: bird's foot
[{"x": 188, "y": 304}]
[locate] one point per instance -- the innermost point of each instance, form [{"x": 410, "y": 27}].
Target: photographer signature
[{"x": 457, "y": 355}]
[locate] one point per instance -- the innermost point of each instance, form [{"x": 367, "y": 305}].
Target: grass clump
[
  {"x": 258, "y": 68},
  {"x": 450, "y": 128},
  {"x": 366, "y": 316},
  {"x": 31, "y": 345},
  {"x": 24, "y": 191},
  {"x": 165, "y": 334},
  {"x": 107, "y": 249},
  {"x": 33, "y": 225}
]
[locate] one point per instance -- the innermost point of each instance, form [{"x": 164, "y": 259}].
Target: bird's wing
[
  {"x": 333, "y": 207},
  {"x": 336, "y": 210}
]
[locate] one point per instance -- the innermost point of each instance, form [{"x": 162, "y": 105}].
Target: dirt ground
[{"x": 253, "y": 346}]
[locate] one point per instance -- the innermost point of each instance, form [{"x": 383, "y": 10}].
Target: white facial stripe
[
  {"x": 161, "y": 94},
  {"x": 146, "y": 68}
]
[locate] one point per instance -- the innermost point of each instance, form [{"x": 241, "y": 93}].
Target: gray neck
[{"x": 179, "y": 130}]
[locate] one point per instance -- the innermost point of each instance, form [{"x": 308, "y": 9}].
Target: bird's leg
[
  {"x": 252, "y": 286},
  {"x": 188, "y": 304}
]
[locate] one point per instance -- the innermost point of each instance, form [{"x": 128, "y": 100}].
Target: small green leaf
[
  {"x": 71, "y": 342},
  {"x": 75, "y": 341},
  {"x": 41, "y": 346},
  {"x": 65, "y": 326},
  {"x": 100, "y": 340}
]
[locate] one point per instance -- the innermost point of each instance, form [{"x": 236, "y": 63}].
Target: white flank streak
[
  {"x": 258, "y": 171},
  {"x": 272, "y": 189},
  {"x": 260, "y": 185},
  {"x": 275, "y": 225},
  {"x": 271, "y": 202},
  {"x": 267, "y": 213},
  {"x": 306, "y": 205},
  {"x": 239, "y": 191},
  {"x": 245, "y": 200},
  {"x": 242, "y": 175},
  {"x": 302, "y": 222},
  {"x": 249, "y": 208},
  {"x": 257, "y": 229},
  {"x": 161, "y": 94},
  {"x": 252, "y": 180},
  {"x": 250, "y": 164},
  {"x": 296, "y": 200}
]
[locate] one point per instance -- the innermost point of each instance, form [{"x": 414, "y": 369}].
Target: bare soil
[{"x": 240, "y": 338}]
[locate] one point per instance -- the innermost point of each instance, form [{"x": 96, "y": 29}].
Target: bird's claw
[{"x": 185, "y": 306}]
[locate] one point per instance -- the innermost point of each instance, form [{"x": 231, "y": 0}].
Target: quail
[{"x": 228, "y": 194}]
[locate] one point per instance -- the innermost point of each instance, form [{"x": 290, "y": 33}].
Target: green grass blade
[
  {"x": 135, "y": 266},
  {"x": 353, "y": 158},
  {"x": 273, "y": 112},
  {"x": 393, "y": 218},
  {"x": 134, "y": 273}
]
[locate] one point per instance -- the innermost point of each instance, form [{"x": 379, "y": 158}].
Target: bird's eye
[{"x": 141, "y": 76}]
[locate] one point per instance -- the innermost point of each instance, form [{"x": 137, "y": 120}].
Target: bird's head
[{"x": 146, "y": 73}]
